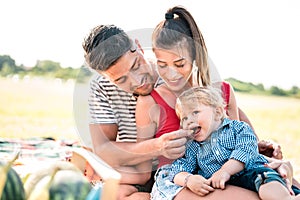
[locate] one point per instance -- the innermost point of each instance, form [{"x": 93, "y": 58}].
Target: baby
[{"x": 222, "y": 150}]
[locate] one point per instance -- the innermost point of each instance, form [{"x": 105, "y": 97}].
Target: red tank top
[
  {"x": 168, "y": 122},
  {"x": 226, "y": 94}
]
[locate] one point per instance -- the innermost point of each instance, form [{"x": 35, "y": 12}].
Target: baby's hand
[
  {"x": 199, "y": 185},
  {"x": 219, "y": 179}
]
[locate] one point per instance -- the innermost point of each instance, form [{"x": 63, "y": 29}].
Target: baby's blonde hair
[{"x": 208, "y": 95}]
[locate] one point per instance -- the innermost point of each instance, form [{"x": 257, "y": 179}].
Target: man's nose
[{"x": 135, "y": 78}]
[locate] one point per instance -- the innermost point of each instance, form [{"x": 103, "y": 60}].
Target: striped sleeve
[
  {"x": 110, "y": 105},
  {"x": 100, "y": 110}
]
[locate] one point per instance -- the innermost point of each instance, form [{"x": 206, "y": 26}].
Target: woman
[{"x": 182, "y": 62}]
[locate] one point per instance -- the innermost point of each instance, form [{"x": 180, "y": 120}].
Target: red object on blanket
[{"x": 90, "y": 173}]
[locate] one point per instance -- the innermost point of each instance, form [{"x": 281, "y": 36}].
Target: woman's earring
[{"x": 195, "y": 75}]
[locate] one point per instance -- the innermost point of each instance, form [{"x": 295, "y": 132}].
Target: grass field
[
  {"x": 278, "y": 119},
  {"x": 44, "y": 108},
  {"x": 36, "y": 108}
]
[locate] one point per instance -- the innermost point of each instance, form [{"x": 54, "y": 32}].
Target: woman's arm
[
  {"x": 233, "y": 111},
  {"x": 147, "y": 117},
  {"x": 275, "y": 150},
  {"x": 243, "y": 117},
  {"x": 170, "y": 145}
]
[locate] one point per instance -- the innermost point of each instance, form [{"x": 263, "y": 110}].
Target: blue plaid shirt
[{"x": 232, "y": 140}]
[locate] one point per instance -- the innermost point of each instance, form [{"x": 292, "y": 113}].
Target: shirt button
[{"x": 217, "y": 152}]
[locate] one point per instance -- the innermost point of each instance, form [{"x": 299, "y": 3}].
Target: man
[{"x": 120, "y": 61}]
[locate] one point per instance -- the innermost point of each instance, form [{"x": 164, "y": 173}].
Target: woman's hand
[
  {"x": 285, "y": 169},
  {"x": 270, "y": 149}
]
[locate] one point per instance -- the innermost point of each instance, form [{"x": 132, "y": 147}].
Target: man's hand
[
  {"x": 270, "y": 149},
  {"x": 172, "y": 145}
]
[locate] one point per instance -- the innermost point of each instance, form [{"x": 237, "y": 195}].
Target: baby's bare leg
[
  {"x": 229, "y": 193},
  {"x": 274, "y": 190}
]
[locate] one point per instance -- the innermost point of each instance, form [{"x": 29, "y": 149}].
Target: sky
[{"x": 255, "y": 41}]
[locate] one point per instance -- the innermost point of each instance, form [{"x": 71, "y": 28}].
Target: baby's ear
[{"x": 219, "y": 113}]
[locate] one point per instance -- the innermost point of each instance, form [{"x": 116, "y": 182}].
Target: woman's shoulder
[
  {"x": 147, "y": 99},
  {"x": 147, "y": 111}
]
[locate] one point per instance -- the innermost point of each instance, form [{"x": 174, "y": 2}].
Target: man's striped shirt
[{"x": 110, "y": 105}]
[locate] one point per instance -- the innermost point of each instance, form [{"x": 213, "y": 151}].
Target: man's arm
[
  {"x": 135, "y": 174},
  {"x": 104, "y": 131},
  {"x": 117, "y": 154}
]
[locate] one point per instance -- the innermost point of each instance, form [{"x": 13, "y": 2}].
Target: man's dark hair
[{"x": 104, "y": 45}]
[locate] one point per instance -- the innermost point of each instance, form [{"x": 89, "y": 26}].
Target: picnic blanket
[{"x": 35, "y": 152}]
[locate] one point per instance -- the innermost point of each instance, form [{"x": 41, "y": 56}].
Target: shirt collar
[{"x": 225, "y": 122}]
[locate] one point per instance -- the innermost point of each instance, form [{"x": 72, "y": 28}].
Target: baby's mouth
[{"x": 196, "y": 130}]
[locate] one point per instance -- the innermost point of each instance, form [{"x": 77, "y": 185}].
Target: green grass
[
  {"x": 44, "y": 108},
  {"x": 278, "y": 119},
  {"x": 36, "y": 108}
]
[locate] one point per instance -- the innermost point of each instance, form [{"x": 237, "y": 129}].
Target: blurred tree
[
  {"x": 66, "y": 73},
  {"x": 53, "y": 69},
  {"x": 6, "y": 60},
  {"x": 260, "y": 86},
  {"x": 274, "y": 90},
  {"x": 7, "y": 69},
  {"x": 46, "y": 66},
  {"x": 294, "y": 90}
]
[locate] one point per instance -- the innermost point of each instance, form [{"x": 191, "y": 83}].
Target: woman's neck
[{"x": 186, "y": 87}]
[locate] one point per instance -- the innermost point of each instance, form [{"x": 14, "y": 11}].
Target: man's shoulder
[
  {"x": 99, "y": 82},
  {"x": 98, "y": 78},
  {"x": 103, "y": 85}
]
